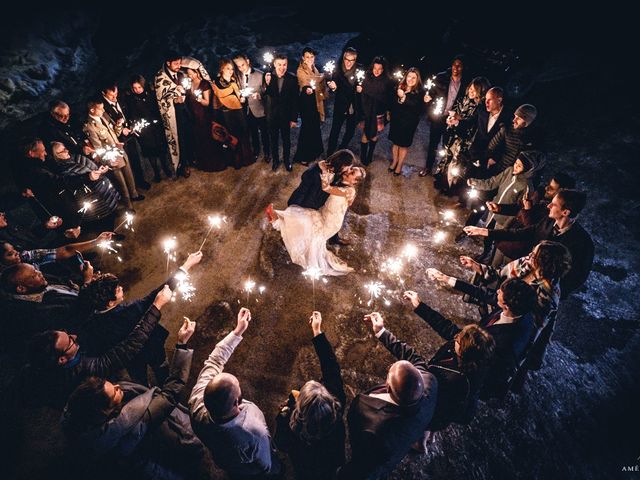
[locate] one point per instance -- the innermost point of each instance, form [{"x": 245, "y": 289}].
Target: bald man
[
  {"x": 386, "y": 420},
  {"x": 234, "y": 429}
]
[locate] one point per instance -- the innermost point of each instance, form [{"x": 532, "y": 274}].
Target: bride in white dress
[{"x": 305, "y": 231}]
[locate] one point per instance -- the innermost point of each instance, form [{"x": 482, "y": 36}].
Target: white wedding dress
[{"x": 305, "y": 231}]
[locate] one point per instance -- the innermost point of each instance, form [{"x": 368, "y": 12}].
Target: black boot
[
  {"x": 363, "y": 152},
  {"x": 155, "y": 165},
  {"x": 372, "y": 147}
]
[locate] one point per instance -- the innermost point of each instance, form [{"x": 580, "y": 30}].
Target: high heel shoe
[{"x": 390, "y": 169}]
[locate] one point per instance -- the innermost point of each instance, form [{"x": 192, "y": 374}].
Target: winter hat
[
  {"x": 531, "y": 159},
  {"x": 527, "y": 112}
]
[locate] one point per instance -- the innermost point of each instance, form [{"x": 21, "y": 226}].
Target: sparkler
[
  {"x": 455, "y": 171},
  {"x": 198, "y": 94},
  {"x": 312, "y": 84},
  {"x": 169, "y": 246},
  {"x": 314, "y": 273},
  {"x": 473, "y": 193},
  {"x": 127, "y": 222},
  {"x": 329, "y": 67},
  {"x": 359, "y": 76},
  {"x": 249, "y": 285},
  {"x": 409, "y": 251},
  {"x": 108, "y": 246},
  {"x": 442, "y": 152},
  {"x": 139, "y": 125},
  {"x": 246, "y": 91},
  {"x": 86, "y": 206},
  {"x": 109, "y": 154},
  {"x": 214, "y": 221},
  {"x": 186, "y": 83},
  {"x": 267, "y": 58},
  {"x": 374, "y": 289},
  {"x": 183, "y": 286},
  {"x": 43, "y": 207},
  {"x": 439, "y": 236},
  {"x": 398, "y": 75},
  {"x": 429, "y": 85},
  {"x": 448, "y": 215},
  {"x": 439, "y": 106}
]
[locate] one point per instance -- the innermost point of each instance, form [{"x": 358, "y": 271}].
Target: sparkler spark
[
  {"x": 215, "y": 221},
  {"x": 312, "y": 84},
  {"x": 107, "y": 246},
  {"x": 139, "y": 125},
  {"x": 429, "y": 85},
  {"x": 329, "y": 67},
  {"x": 473, "y": 193},
  {"x": 448, "y": 215},
  {"x": 359, "y": 76},
  {"x": 127, "y": 222},
  {"x": 246, "y": 91},
  {"x": 109, "y": 154},
  {"x": 86, "y": 206},
  {"x": 409, "y": 251},
  {"x": 455, "y": 171},
  {"x": 267, "y": 58},
  {"x": 392, "y": 265},
  {"x": 186, "y": 83},
  {"x": 169, "y": 246},
  {"x": 442, "y": 152},
  {"x": 398, "y": 75},
  {"x": 184, "y": 287},
  {"x": 314, "y": 273},
  {"x": 439, "y": 106},
  {"x": 439, "y": 236}
]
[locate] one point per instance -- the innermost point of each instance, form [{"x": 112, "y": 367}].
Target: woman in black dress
[
  {"x": 141, "y": 107},
  {"x": 405, "y": 116},
  {"x": 311, "y": 106},
  {"x": 376, "y": 95}
]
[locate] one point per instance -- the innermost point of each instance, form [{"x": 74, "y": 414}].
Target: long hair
[
  {"x": 476, "y": 348},
  {"x": 315, "y": 414},
  {"x": 552, "y": 260},
  {"x": 481, "y": 85},
  {"x": 403, "y": 84},
  {"x": 340, "y": 159}
]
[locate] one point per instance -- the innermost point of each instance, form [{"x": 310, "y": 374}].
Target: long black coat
[
  {"x": 345, "y": 95},
  {"x": 144, "y": 106},
  {"x": 282, "y": 106},
  {"x": 53, "y": 130}
]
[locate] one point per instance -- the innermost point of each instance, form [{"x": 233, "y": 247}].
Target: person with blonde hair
[{"x": 309, "y": 427}]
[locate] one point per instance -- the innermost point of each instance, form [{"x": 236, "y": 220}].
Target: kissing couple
[{"x": 316, "y": 212}]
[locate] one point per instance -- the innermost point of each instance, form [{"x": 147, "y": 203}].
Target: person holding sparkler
[
  {"x": 228, "y": 111},
  {"x": 142, "y": 109},
  {"x": 387, "y": 419},
  {"x": 113, "y": 318},
  {"x": 461, "y": 127},
  {"x": 449, "y": 86},
  {"x": 253, "y": 88},
  {"x": 343, "y": 84},
  {"x": 311, "y": 102},
  {"x": 103, "y": 138},
  {"x": 305, "y": 231},
  {"x": 309, "y": 427},
  {"x": 57, "y": 128},
  {"x": 405, "y": 116},
  {"x": 376, "y": 91},
  {"x": 170, "y": 94},
  {"x": 208, "y": 154}
]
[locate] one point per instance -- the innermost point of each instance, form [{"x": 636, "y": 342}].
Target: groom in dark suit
[{"x": 309, "y": 193}]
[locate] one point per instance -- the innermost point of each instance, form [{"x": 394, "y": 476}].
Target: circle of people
[{"x": 536, "y": 253}]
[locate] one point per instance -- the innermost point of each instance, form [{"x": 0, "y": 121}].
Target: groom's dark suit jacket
[{"x": 309, "y": 193}]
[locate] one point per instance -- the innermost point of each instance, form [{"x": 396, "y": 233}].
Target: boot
[
  {"x": 363, "y": 152},
  {"x": 372, "y": 147},
  {"x": 155, "y": 165}
]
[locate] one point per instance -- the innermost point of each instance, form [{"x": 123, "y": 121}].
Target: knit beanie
[
  {"x": 527, "y": 112},
  {"x": 524, "y": 157}
]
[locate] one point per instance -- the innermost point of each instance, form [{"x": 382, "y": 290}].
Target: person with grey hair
[
  {"x": 309, "y": 427},
  {"x": 58, "y": 128},
  {"x": 234, "y": 429}
]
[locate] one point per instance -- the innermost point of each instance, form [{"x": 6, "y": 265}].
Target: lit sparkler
[
  {"x": 109, "y": 154},
  {"x": 429, "y": 85},
  {"x": 169, "y": 246},
  {"x": 329, "y": 67},
  {"x": 139, "y": 125},
  {"x": 127, "y": 222},
  {"x": 409, "y": 251},
  {"x": 448, "y": 215},
  {"x": 197, "y": 93},
  {"x": 314, "y": 273},
  {"x": 215, "y": 221},
  {"x": 359, "y": 76},
  {"x": 267, "y": 58},
  {"x": 392, "y": 265},
  {"x": 439, "y": 106},
  {"x": 398, "y": 75},
  {"x": 186, "y": 83},
  {"x": 312, "y": 84},
  {"x": 442, "y": 152},
  {"x": 374, "y": 289},
  {"x": 473, "y": 193},
  {"x": 249, "y": 285},
  {"x": 455, "y": 171},
  {"x": 183, "y": 286},
  {"x": 439, "y": 236},
  {"x": 246, "y": 91}
]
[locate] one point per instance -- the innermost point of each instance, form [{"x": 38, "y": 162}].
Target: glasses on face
[
  {"x": 350, "y": 60},
  {"x": 72, "y": 342},
  {"x": 61, "y": 151}
]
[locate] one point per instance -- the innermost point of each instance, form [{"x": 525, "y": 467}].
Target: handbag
[{"x": 220, "y": 134}]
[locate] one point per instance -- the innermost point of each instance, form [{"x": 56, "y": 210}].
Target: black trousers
[
  {"x": 135, "y": 161},
  {"x": 185, "y": 140},
  {"x": 436, "y": 129},
  {"x": 336, "y": 126},
  {"x": 280, "y": 127},
  {"x": 258, "y": 130}
]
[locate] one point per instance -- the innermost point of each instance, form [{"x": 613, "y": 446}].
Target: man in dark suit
[
  {"x": 114, "y": 114},
  {"x": 282, "y": 109},
  {"x": 309, "y": 193},
  {"x": 57, "y": 128},
  {"x": 449, "y": 86},
  {"x": 386, "y": 420},
  {"x": 343, "y": 83}
]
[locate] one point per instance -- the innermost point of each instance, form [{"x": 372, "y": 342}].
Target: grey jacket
[
  {"x": 148, "y": 431},
  {"x": 255, "y": 105}
]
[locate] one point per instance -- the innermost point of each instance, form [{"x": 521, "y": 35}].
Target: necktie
[
  {"x": 556, "y": 230},
  {"x": 246, "y": 80}
]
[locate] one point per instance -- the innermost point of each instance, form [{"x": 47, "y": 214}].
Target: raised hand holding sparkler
[
  {"x": 377, "y": 322},
  {"x": 215, "y": 221},
  {"x": 412, "y": 297},
  {"x": 314, "y": 273},
  {"x": 127, "y": 222},
  {"x": 169, "y": 247},
  {"x": 374, "y": 289},
  {"x": 438, "y": 108}
]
